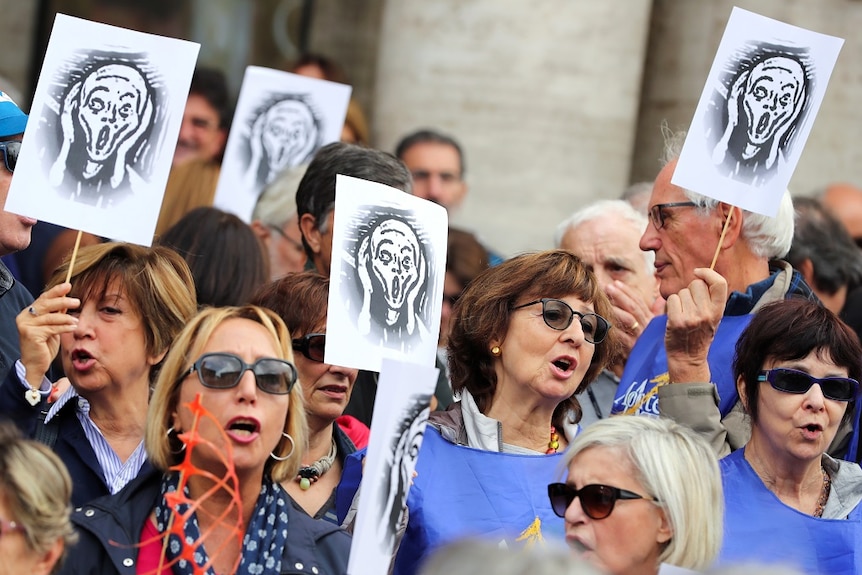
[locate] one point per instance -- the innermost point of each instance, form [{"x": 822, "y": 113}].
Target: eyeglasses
[
  {"x": 657, "y": 215},
  {"x": 225, "y": 370},
  {"x": 311, "y": 346},
  {"x": 11, "y": 149},
  {"x": 288, "y": 239},
  {"x": 7, "y": 527},
  {"x": 795, "y": 381},
  {"x": 558, "y": 315},
  {"x": 597, "y": 501}
]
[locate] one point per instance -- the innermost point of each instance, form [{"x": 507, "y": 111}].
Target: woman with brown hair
[
  {"x": 301, "y": 301},
  {"x": 527, "y": 335},
  {"x": 111, "y": 326}
]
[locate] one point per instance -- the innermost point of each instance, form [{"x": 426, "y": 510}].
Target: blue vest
[
  {"x": 647, "y": 367},
  {"x": 463, "y": 492},
  {"x": 758, "y": 527}
]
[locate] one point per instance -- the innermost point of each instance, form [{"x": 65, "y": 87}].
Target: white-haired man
[
  {"x": 605, "y": 236},
  {"x": 706, "y": 309}
]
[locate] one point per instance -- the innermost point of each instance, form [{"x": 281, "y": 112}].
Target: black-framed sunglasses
[
  {"x": 559, "y": 315},
  {"x": 311, "y": 345},
  {"x": 657, "y": 215},
  {"x": 795, "y": 381},
  {"x": 597, "y": 501},
  {"x": 225, "y": 370},
  {"x": 11, "y": 149}
]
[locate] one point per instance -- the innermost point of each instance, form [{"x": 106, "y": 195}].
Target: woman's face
[
  {"x": 799, "y": 426},
  {"x": 539, "y": 360},
  {"x": 630, "y": 539},
  {"x": 249, "y": 420},
  {"x": 16, "y": 555},
  {"x": 108, "y": 348},
  {"x": 326, "y": 388}
]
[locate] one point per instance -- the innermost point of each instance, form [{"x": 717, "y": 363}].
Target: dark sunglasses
[
  {"x": 225, "y": 370},
  {"x": 558, "y": 315},
  {"x": 597, "y": 501},
  {"x": 657, "y": 215},
  {"x": 11, "y": 149},
  {"x": 795, "y": 381},
  {"x": 311, "y": 346}
]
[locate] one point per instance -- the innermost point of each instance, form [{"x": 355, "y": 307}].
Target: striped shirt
[{"x": 116, "y": 473}]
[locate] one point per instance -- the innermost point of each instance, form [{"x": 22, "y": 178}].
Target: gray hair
[
  {"x": 470, "y": 556},
  {"x": 679, "y": 469},
  {"x": 601, "y": 209},
  {"x": 765, "y": 236},
  {"x": 277, "y": 203}
]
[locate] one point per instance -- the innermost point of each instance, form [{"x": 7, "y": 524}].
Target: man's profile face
[
  {"x": 286, "y": 132},
  {"x": 111, "y": 105},
  {"x": 684, "y": 243},
  {"x": 608, "y": 245},
  {"x": 772, "y": 93},
  {"x": 201, "y": 137},
  {"x": 436, "y": 170},
  {"x": 395, "y": 261}
]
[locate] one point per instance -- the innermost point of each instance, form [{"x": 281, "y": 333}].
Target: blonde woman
[
  {"x": 34, "y": 506},
  {"x": 238, "y": 362}
]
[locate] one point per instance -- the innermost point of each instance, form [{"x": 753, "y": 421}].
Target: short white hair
[
  {"x": 601, "y": 209},
  {"x": 679, "y": 469},
  {"x": 765, "y": 236}
]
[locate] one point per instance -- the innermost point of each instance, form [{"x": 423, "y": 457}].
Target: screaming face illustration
[
  {"x": 288, "y": 134},
  {"x": 111, "y": 108},
  {"x": 763, "y": 105},
  {"x": 395, "y": 262},
  {"x": 771, "y": 100}
]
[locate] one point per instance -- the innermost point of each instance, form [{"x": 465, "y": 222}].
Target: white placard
[
  {"x": 102, "y": 131},
  {"x": 400, "y": 414},
  {"x": 763, "y": 92},
  {"x": 388, "y": 264},
  {"x": 281, "y": 120}
]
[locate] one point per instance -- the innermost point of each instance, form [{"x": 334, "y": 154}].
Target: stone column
[
  {"x": 683, "y": 40},
  {"x": 542, "y": 95}
]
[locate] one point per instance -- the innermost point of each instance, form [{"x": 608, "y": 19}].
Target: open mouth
[
  {"x": 244, "y": 427},
  {"x": 563, "y": 364},
  {"x": 81, "y": 355},
  {"x": 813, "y": 427},
  {"x": 102, "y": 140}
]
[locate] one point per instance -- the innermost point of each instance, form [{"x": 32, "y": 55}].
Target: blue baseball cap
[{"x": 12, "y": 119}]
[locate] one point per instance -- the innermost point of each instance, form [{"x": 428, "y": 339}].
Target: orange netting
[{"x": 230, "y": 516}]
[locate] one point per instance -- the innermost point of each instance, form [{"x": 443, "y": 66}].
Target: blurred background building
[{"x": 556, "y": 102}]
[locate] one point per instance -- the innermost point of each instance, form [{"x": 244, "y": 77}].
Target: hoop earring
[
  {"x": 292, "y": 447},
  {"x": 496, "y": 351},
  {"x": 183, "y": 448}
]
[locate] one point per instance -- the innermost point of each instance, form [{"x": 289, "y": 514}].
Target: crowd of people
[{"x": 617, "y": 402}]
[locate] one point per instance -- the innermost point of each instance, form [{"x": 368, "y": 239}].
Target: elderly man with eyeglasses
[
  {"x": 680, "y": 366},
  {"x": 14, "y": 235}
]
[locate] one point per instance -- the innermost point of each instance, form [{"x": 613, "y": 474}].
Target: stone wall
[
  {"x": 543, "y": 97},
  {"x": 683, "y": 39}
]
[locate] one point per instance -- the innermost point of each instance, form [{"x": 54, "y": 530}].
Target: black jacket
[{"x": 110, "y": 528}]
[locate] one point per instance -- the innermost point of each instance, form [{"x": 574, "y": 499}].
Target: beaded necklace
[
  {"x": 311, "y": 473},
  {"x": 824, "y": 493},
  {"x": 554, "y": 443}
]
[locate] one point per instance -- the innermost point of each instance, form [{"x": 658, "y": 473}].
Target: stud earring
[{"x": 496, "y": 351}]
